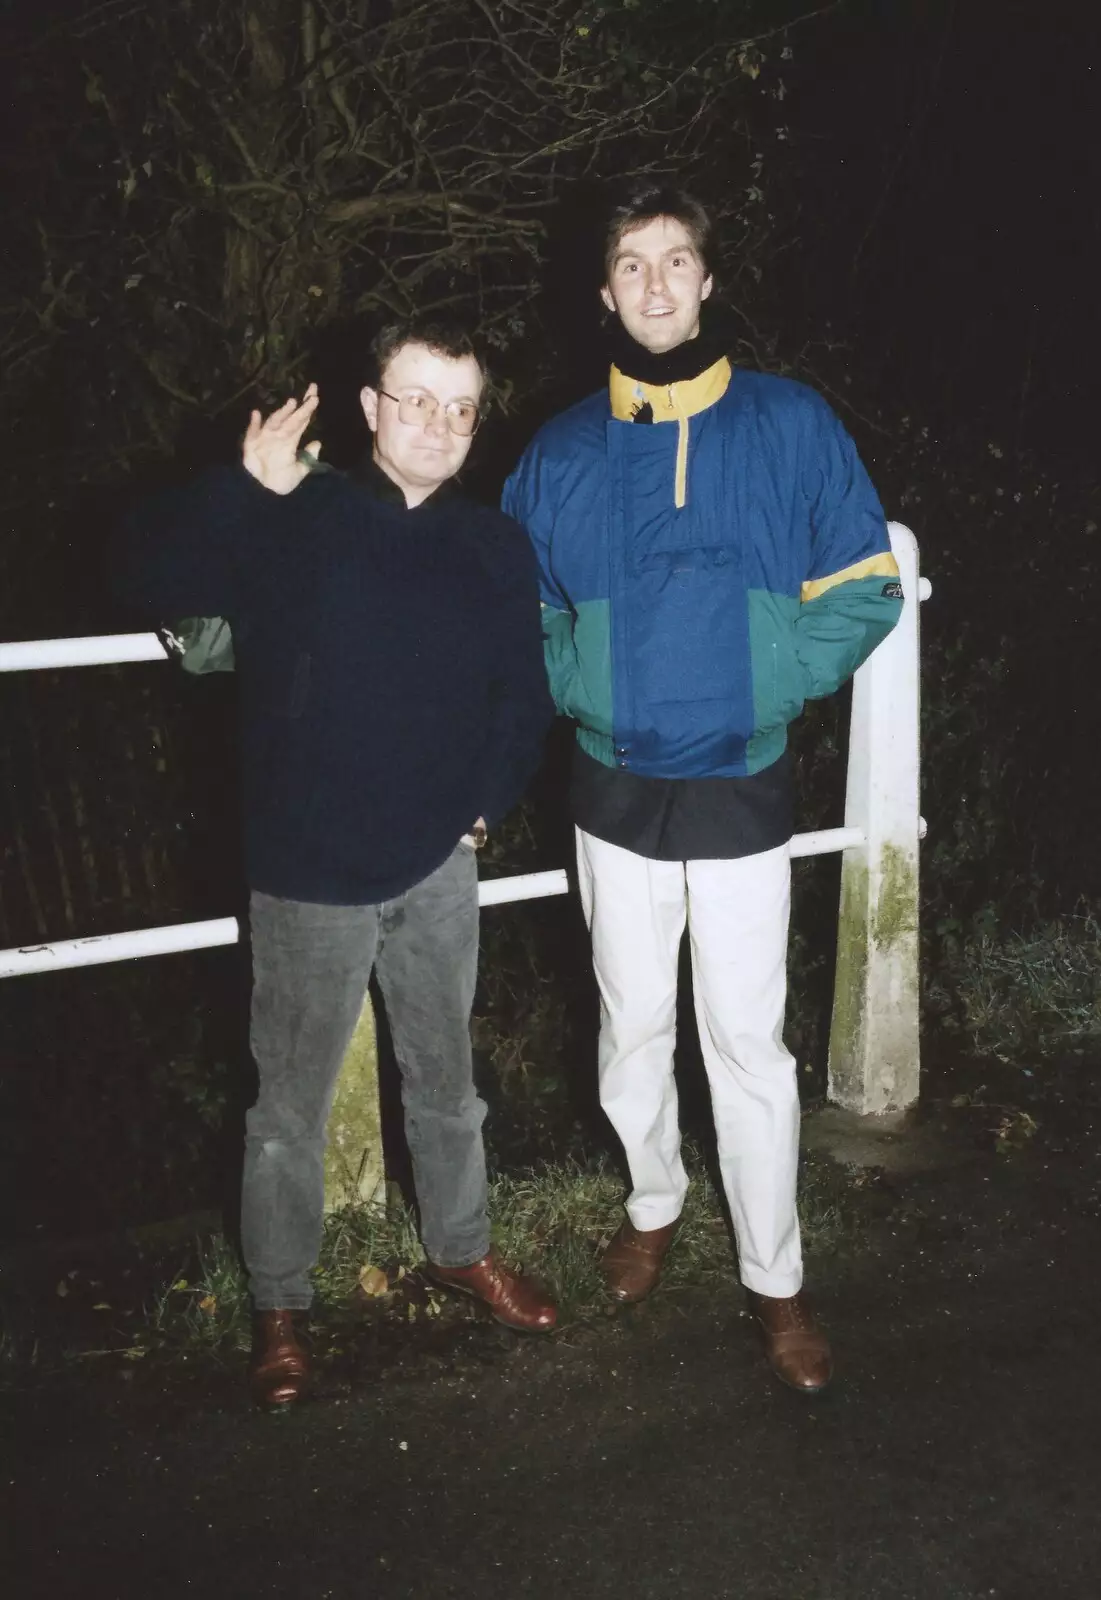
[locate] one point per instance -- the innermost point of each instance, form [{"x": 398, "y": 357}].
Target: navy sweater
[{"x": 389, "y": 660}]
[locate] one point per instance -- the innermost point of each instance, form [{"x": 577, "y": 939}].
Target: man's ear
[
  {"x": 708, "y": 284},
  {"x": 606, "y": 296},
  {"x": 368, "y": 399}
]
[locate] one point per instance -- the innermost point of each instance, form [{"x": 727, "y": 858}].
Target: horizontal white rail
[
  {"x": 825, "y": 840},
  {"x": 522, "y": 886},
  {"x": 96, "y": 650},
  {"x": 103, "y": 948}
]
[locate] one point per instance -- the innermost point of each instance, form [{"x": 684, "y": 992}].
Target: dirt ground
[{"x": 956, "y": 1457}]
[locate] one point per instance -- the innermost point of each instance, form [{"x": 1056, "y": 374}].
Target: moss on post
[
  {"x": 873, "y": 1036},
  {"x": 895, "y": 915},
  {"x": 849, "y": 983},
  {"x": 354, "y": 1172}
]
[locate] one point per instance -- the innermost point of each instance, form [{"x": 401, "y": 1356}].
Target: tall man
[
  {"x": 712, "y": 554},
  {"x": 393, "y": 704}
]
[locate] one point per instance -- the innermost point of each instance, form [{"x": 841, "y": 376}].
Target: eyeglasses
[{"x": 419, "y": 409}]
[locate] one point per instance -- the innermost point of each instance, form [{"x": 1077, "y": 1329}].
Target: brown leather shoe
[
  {"x": 632, "y": 1262},
  {"x": 514, "y": 1300},
  {"x": 279, "y": 1371},
  {"x": 797, "y": 1349}
]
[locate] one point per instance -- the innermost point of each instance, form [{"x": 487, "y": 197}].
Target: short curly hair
[{"x": 452, "y": 339}]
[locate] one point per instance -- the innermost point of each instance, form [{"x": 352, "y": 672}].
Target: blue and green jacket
[{"x": 703, "y": 576}]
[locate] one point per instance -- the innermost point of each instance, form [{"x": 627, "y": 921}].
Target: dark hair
[
  {"x": 449, "y": 339},
  {"x": 644, "y": 202}
]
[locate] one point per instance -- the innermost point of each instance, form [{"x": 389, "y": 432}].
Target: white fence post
[{"x": 874, "y": 1052}]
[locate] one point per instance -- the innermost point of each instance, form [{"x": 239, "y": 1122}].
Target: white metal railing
[
  {"x": 874, "y": 1037},
  {"x": 98, "y": 650},
  {"x": 99, "y": 949}
]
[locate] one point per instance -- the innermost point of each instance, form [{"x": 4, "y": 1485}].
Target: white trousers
[{"x": 737, "y": 918}]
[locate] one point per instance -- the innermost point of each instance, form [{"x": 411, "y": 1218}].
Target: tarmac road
[{"x": 957, "y": 1456}]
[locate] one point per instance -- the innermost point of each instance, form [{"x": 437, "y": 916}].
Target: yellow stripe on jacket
[
  {"x": 881, "y": 566},
  {"x": 673, "y": 402}
]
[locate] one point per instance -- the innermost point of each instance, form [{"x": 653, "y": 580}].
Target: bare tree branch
[{"x": 225, "y": 182}]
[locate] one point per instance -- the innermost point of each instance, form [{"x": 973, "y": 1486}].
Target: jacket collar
[
  {"x": 669, "y": 402},
  {"x": 632, "y": 400}
]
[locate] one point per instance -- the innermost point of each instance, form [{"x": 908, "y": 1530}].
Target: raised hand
[{"x": 270, "y": 448}]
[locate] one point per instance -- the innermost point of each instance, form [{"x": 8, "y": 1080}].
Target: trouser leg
[
  {"x": 635, "y": 909},
  {"x": 311, "y": 965},
  {"x": 738, "y": 927},
  {"x": 427, "y": 967}
]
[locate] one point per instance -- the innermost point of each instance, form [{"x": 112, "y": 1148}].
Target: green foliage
[
  {"x": 206, "y": 1312},
  {"x": 1012, "y": 550},
  {"x": 1023, "y": 996}
]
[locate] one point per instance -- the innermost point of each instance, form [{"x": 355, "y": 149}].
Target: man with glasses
[{"x": 393, "y": 706}]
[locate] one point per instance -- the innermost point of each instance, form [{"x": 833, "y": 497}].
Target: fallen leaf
[
  {"x": 1015, "y": 1129},
  {"x": 373, "y": 1281},
  {"x": 101, "y": 1305},
  {"x": 63, "y": 1288},
  {"x": 209, "y": 1304}
]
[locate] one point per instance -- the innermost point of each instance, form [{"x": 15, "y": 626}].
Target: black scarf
[{"x": 684, "y": 361}]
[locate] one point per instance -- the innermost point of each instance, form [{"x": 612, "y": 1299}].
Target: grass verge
[
  {"x": 1032, "y": 995},
  {"x": 553, "y": 1221}
]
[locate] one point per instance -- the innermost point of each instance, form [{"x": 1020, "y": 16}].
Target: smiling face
[
  {"x": 419, "y": 456},
  {"x": 656, "y": 284}
]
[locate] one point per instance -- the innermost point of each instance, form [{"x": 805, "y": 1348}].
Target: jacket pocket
[
  {"x": 779, "y": 678},
  {"x": 580, "y": 667},
  {"x": 788, "y": 682},
  {"x": 687, "y": 630}
]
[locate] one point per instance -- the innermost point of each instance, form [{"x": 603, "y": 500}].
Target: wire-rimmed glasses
[{"x": 417, "y": 409}]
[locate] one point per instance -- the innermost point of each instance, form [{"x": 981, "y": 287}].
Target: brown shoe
[
  {"x": 632, "y": 1262},
  {"x": 797, "y": 1349},
  {"x": 514, "y": 1300},
  {"x": 279, "y": 1371}
]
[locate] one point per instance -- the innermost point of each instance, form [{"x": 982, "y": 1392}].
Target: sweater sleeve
[
  {"x": 851, "y": 596},
  {"x": 187, "y": 552},
  {"x": 520, "y": 707}
]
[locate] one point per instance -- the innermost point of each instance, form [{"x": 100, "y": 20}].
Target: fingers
[
  {"x": 314, "y": 448},
  {"x": 292, "y": 418}
]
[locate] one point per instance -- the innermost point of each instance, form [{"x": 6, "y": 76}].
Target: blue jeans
[{"x": 311, "y": 966}]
